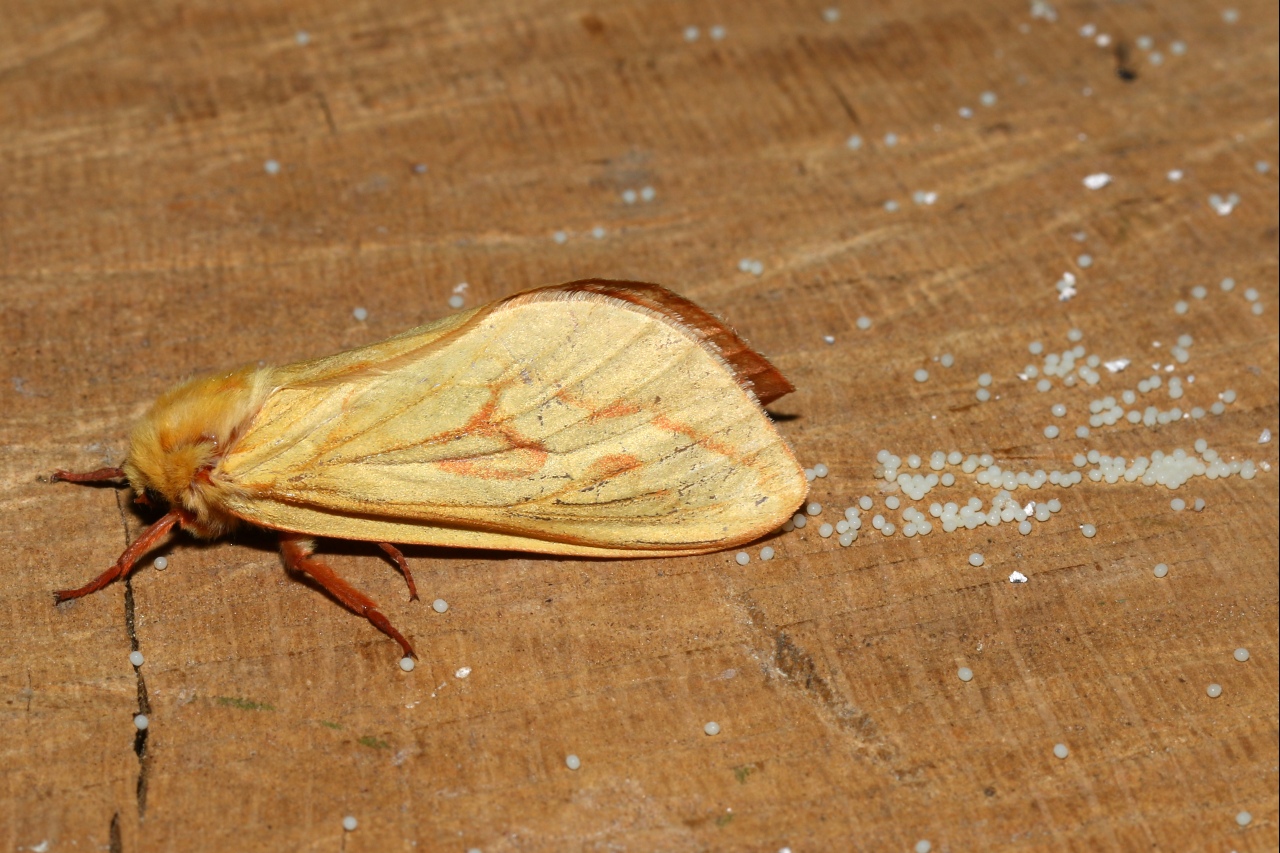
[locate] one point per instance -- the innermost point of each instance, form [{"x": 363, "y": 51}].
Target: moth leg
[
  {"x": 296, "y": 551},
  {"x": 394, "y": 553},
  {"x": 124, "y": 565},
  {"x": 102, "y": 475}
]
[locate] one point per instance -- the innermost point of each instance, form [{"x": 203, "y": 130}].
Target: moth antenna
[
  {"x": 394, "y": 553},
  {"x": 102, "y": 475},
  {"x": 124, "y": 565},
  {"x": 296, "y": 552}
]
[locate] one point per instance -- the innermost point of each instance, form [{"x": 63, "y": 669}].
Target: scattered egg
[
  {"x": 136, "y": 658},
  {"x": 1213, "y": 691},
  {"x": 1060, "y": 750},
  {"x": 573, "y": 762},
  {"x": 349, "y": 823},
  {"x": 406, "y": 664},
  {"x": 712, "y": 728},
  {"x": 964, "y": 674}
]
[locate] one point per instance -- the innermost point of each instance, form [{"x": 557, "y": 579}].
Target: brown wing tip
[{"x": 750, "y": 368}]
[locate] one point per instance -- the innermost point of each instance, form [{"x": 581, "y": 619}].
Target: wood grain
[{"x": 143, "y": 240}]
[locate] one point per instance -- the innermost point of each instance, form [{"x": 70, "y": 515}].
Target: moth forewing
[{"x": 584, "y": 422}]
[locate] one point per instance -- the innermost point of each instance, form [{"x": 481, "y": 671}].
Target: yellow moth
[{"x": 597, "y": 419}]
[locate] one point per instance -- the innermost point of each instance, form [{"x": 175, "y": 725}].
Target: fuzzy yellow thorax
[{"x": 175, "y": 449}]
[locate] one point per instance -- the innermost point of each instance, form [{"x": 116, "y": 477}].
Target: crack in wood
[
  {"x": 114, "y": 844},
  {"x": 144, "y": 701}
]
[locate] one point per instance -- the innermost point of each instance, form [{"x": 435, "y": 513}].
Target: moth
[{"x": 596, "y": 418}]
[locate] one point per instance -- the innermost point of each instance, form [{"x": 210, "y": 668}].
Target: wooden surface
[{"x": 143, "y": 239}]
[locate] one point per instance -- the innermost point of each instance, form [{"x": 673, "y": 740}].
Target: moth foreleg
[
  {"x": 128, "y": 559},
  {"x": 102, "y": 475}
]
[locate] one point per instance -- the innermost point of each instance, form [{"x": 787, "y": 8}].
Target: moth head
[{"x": 175, "y": 449}]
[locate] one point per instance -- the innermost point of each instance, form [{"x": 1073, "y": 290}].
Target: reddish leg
[
  {"x": 102, "y": 475},
  {"x": 296, "y": 552},
  {"x": 394, "y": 553},
  {"x": 124, "y": 565}
]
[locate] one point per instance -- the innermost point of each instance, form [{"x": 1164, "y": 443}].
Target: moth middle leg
[{"x": 297, "y": 554}]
